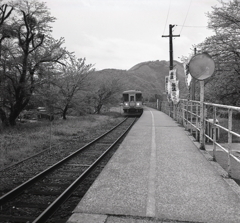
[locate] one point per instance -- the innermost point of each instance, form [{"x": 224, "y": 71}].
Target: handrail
[{"x": 186, "y": 112}]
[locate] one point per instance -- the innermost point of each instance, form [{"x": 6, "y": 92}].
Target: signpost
[{"x": 201, "y": 67}]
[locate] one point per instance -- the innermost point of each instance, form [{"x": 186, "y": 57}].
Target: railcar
[{"x": 132, "y": 103}]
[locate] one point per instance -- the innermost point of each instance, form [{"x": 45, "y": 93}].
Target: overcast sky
[{"x": 121, "y": 33}]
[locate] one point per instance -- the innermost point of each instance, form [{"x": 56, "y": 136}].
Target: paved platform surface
[{"x": 158, "y": 175}]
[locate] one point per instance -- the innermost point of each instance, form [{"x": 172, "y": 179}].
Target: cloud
[{"x": 116, "y": 52}]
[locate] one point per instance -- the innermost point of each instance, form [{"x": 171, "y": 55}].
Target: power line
[
  {"x": 167, "y": 15},
  {"x": 186, "y": 16},
  {"x": 193, "y": 26}
]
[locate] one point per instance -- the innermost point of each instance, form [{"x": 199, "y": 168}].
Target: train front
[{"x": 132, "y": 103}]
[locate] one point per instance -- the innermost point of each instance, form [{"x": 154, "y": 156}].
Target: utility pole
[
  {"x": 193, "y": 84},
  {"x": 171, "y": 45}
]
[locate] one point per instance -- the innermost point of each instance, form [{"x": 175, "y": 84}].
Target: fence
[{"x": 187, "y": 113}]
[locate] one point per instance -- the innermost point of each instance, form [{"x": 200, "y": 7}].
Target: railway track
[{"x": 52, "y": 194}]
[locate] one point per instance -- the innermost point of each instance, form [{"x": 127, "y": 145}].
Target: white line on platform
[{"x": 151, "y": 207}]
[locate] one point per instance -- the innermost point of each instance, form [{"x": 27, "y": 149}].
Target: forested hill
[
  {"x": 148, "y": 77},
  {"x": 151, "y": 76}
]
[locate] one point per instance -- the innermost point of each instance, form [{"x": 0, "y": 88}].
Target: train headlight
[
  {"x": 126, "y": 103},
  {"x": 138, "y": 104}
]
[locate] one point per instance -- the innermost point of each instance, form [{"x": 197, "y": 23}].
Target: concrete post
[{"x": 202, "y": 127}]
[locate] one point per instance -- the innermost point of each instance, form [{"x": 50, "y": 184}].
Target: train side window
[{"x": 131, "y": 98}]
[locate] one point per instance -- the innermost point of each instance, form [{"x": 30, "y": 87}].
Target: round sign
[{"x": 201, "y": 66}]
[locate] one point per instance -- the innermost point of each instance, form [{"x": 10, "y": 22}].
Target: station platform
[{"x": 159, "y": 175}]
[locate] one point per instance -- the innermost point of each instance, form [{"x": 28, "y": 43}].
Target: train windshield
[
  {"x": 125, "y": 97},
  {"x": 138, "y": 97}
]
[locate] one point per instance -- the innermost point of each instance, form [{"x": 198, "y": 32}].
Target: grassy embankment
[
  {"x": 26, "y": 139},
  {"x": 221, "y": 156},
  {"x": 224, "y": 135}
]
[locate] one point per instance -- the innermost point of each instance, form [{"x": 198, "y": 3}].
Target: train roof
[{"x": 132, "y": 91}]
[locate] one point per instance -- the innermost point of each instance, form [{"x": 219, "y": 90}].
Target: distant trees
[
  {"x": 105, "y": 91},
  {"x": 224, "y": 47},
  {"x": 71, "y": 79}
]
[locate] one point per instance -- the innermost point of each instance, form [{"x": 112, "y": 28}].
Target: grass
[
  {"x": 224, "y": 135},
  {"x": 221, "y": 156},
  {"x": 26, "y": 139}
]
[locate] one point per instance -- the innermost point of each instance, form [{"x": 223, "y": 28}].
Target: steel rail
[
  {"x": 14, "y": 192},
  {"x": 52, "y": 208}
]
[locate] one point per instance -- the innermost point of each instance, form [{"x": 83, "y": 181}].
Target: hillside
[{"x": 149, "y": 77}]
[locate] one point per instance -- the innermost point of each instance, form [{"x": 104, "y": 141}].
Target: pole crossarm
[
  {"x": 172, "y": 36},
  {"x": 171, "y": 44}
]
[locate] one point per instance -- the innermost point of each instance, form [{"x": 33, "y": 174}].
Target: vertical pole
[
  {"x": 187, "y": 116},
  {"x": 178, "y": 113},
  {"x": 49, "y": 108},
  {"x": 183, "y": 114},
  {"x": 202, "y": 130},
  {"x": 174, "y": 111},
  {"x": 214, "y": 133},
  {"x": 193, "y": 84},
  {"x": 169, "y": 107},
  {"x": 191, "y": 117},
  {"x": 229, "y": 141},
  {"x": 170, "y": 47},
  {"x": 197, "y": 125}
]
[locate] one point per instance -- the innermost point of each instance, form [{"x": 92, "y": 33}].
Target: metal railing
[{"x": 187, "y": 113}]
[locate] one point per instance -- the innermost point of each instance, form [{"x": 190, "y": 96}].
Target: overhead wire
[
  {"x": 167, "y": 16},
  {"x": 186, "y": 16},
  {"x": 193, "y": 26}
]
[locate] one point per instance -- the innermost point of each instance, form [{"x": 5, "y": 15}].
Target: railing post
[
  {"x": 214, "y": 133},
  {"x": 187, "y": 116},
  {"x": 183, "y": 113},
  {"x": 179, "y": 112},
  {"x": 174, "y": 111},
  {"x": 191, "y": 118},
  {"x": 197, "y": 125},
  {"x": 229, "y": 141},
  {"x": 169, "y": 109},
  {"x": 206, "y": 124}
]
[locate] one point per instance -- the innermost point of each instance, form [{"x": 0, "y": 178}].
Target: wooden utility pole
[
  {"x": 193, "y": 84},
  {"x": 171, "y": 45}
]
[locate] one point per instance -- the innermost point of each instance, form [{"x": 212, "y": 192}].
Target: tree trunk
[
  {"x": 98, "y": 108},
  {"x": 4, "y": 118},
  {"x": 13, "y": 116},
  {"x": 16, "y": 110},
  {"x": 64, "y": 114}
]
